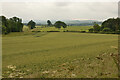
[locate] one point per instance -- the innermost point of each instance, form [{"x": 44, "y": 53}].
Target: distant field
[
  {"x": 69, "y": 28},
  {"x": 59, "y": 54}
]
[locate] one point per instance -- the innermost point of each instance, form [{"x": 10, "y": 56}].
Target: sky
[{"x": 60, "y": 10}]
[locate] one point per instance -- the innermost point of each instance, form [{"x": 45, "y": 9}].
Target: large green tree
[
  {"x": 96, "y": 27},
  {"x": 4, "y": 24},
  {"x": 60, "y": 24},
  {"x": 112, "y": 24},
  {"x": 49, "y": 23},
  {"x": 31, "y": 24},
  {"x": 13, "y": 24}
]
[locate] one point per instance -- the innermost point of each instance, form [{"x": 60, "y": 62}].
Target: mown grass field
[{"x": 59, "y": 54}]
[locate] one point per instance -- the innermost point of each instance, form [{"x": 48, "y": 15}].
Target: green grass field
[
  {"x": 59, "y": 54},
  {"x": 69, "y": 28}
]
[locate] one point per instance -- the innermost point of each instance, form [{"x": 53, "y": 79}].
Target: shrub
[
  {"x": 66, "y": 30},
  {"x": 106, "y": 30},
  {"x": 82, "y": 31},
  {"x": 53, "y": 31},
  {"x": 91, "y": 30},
  {"x": 96, "y": 28}
]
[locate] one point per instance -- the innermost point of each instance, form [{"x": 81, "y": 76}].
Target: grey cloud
[{"x": 60, "y": 10}]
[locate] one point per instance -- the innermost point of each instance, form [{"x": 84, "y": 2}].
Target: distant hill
[
  {"x": 82, "y": 22},
  {"x": 70, "y": 22}
]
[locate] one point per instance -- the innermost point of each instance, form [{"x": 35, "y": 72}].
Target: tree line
[
  {"x": 13, "y": 24},
  {"x": 110, "y": 25},
  {"x": 58, "y": 24}
]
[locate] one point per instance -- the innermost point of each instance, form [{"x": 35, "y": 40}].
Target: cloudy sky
[{"x": 60, "y": 10}]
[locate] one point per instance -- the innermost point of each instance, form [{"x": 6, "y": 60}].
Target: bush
[
  {"x": 66, "y": 30},
  {"x": 106, "y": 30},
  {"x": 4, "y": 30},
  {"x": 53, "y": 31},
  {"x": 91, "y": 30},
  {"x": 96, "y": 28},
  {"x": 83, "y": 31}
]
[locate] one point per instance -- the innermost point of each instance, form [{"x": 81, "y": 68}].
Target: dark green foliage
[
  {"x": 64, "y": 25},
  {"x": 106, "y": 30},
  {"x": 83, "y": 31},
  {"x": 31, "y": 24},
  {"x": 53, "y": 31},
  {"x": 57, "y": 24},
  {"x": 13, "y": 24},
  {"x": 49, "y": 23},
  {"x": 96, "y": 28},
  {"x": 112, "y": 24},
  {"x": 91, "y": 30},
  {"x": 60, "y": 24},
  {"x": 4, "y": 29},
  {"x": 5, "y": 26}
]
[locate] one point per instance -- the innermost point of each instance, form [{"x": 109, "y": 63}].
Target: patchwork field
[{"x": 59, "y": 54}]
